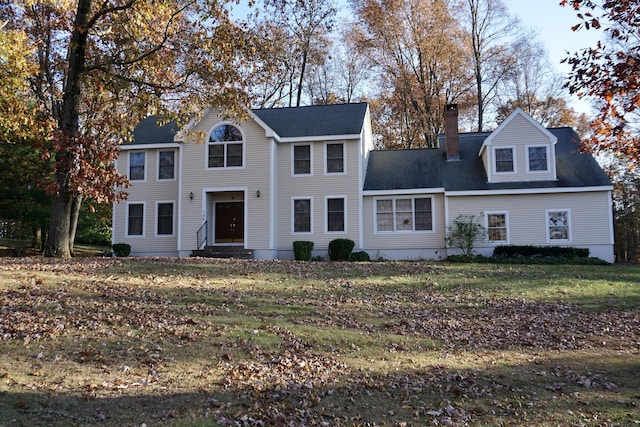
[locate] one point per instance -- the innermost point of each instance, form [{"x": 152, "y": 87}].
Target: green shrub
[
  {"x": 302, "y": 250},
  {"x": 94, "y": 224},
  {"x": 317, "y": 258},
  {"x": 95, "y": 237},
  {"x": 512, "y": 251},
  {"x": 359, "y": 256},
  {"x": 340, "y": 249},
  {"x": 121, "y": 249},
  {"x": 465, "y": 232}
]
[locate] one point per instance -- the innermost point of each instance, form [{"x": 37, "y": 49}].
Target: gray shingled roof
[
  {"x": 148, "y": 132},
  {"x": 294, "y": 122},
  {"x": 428, "y": 168},
  {"x": 315, "y": 120}
]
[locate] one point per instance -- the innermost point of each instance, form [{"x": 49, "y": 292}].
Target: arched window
[{"x": 225, "y": 147}]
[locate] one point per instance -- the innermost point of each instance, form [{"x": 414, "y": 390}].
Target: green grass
[{"x": 190, "y": 342}]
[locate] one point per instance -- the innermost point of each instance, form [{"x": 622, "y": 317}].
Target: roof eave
[
  {"x": 269, "y": 133},
  {"x": 536, "y": 190},
  {"x": 316, "y": 138},
  {"x": 403, "y": 191},
  {"x": 150, "y": 146},
  {"x": 517, "y": 112}
]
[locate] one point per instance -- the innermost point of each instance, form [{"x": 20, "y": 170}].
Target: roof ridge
[{"x": 309, "y": 106}]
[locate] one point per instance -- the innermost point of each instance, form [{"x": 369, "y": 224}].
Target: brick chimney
[{"x": 451, "y": 131}]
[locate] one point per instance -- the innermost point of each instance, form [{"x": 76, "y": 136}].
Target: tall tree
[
  {"x": 610, "y": 73},
  {"x": 341, "y": 76},
  {"x": 106, "y": 64},
  {"x": 296, "y": 33},
  {"x": 23, "y": 127},
  {"x": 549, "y": 112},
  {"x": 20, "y": 118},
  {"x": 491, "y": 29},
  {"x": 420, "y": 50},
  {"x": 533, "y": 85},
  {"x": 270, "y": 75}
]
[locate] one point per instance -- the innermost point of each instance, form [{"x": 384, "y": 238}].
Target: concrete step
[{"x": 224, "y": 252}]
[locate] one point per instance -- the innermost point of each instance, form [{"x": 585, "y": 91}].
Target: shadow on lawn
[
  {"x": 561, "y": 364},
  {"x": 551, "y": 391}
]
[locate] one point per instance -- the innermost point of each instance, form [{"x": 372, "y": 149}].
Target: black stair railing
[{"x": 201, "y": 236}]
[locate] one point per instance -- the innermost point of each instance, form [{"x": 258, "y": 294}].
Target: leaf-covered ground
[{"x": 227, "y": 342}]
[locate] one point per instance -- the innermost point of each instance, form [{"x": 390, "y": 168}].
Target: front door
[{"x": 229, "y": 222}]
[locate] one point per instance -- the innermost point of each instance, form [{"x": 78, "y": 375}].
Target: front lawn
[{"x": 192, "y": 342}]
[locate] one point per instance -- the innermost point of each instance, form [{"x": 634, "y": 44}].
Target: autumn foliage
[
  {"x": 96, "y": 68},
  {"x": 193, "y": 341},
  {"x": 610, "y": 73}
]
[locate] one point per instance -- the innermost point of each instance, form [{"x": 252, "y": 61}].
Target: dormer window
[
  {"x": 225, "y": 147},
  {"x": 504, "y": 160},
  {"x": 537, "y": 159}
]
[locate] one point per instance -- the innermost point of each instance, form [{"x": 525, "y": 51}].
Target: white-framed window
[
  {"x": 335, "y": 158},
  {"x": 497, "y": 224},
  {"x": 537, "y": 158},
  {"x": 135, "y": 219},
  {"x": 225, "y": 147},
  {"x": 167, "y": 165},
  {"x": 302, "y": 209},
  {"x": 301, "y": 159},
  {"x": 504, "y": 160},
  {"x": 336, "y": 208},
  {"x": 558, "y": 225},
  {"x": 404, "y": 214},
  {"x": 164, "y": 219},
  {"x": 137, "y": 169}
]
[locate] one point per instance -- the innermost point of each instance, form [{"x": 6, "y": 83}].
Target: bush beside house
[
  {"x": 340, "y": 249},
  {"x": 302, "y": 250}
]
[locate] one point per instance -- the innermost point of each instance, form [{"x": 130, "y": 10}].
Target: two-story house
[{"x": 310, "y": 173}]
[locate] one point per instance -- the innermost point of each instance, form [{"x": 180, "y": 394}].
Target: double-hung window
[
  {"x": 225, "y": 147},
  {"x": 137, "y": 166},
  {"x": 558, "y": 226},
  {"x": 537, "y": 159},
  {"x": 497, "y": 227},
  {"x": 135, "y": 219},
  {"x": 336, "y": 214},
  {"x": 335, "y": 158},
  {"x": 166, "y": 164},
  {"x": 302, "y": 215},
  {"x": 404, "y": 214},
  {"x": 165, "y": 219},
  {"x": 302, "y": 159},
  {"x": 504, "y": 160}
]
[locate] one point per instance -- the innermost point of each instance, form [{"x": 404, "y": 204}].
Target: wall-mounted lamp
[
  {"x": 191, "y": 195},
  {"x": 258, "y": 193}
]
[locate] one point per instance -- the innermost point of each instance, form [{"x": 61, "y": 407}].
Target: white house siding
[
  {"x": 148, "y": 192},
  {"x": 590, "y": 218},
  {"x": 317, "y": 187},
  {"x": 404, "y": 245},
  {"x": 203, "y": 183},
  {"x": 367, "y": 145},
  {"x": 519, "y": 133}
]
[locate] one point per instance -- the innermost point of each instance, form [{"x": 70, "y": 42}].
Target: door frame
[{"x": 213, "y": 195}]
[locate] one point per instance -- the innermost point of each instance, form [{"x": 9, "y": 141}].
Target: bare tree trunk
[
  {"x": 76, "y": 204},
  {"x": 301, "y": 79},
  {"x": 58, "y": 242}
]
